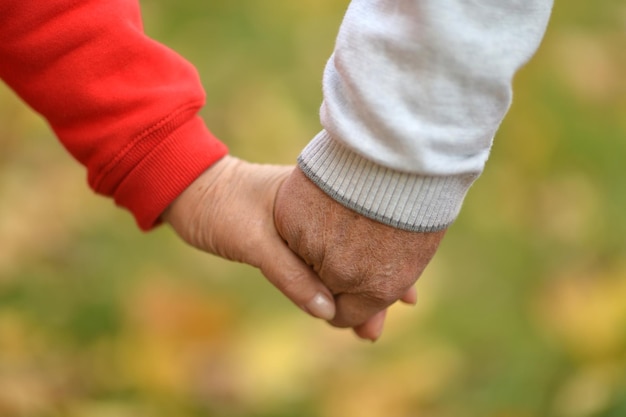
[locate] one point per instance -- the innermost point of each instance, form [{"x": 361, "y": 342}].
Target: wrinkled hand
[
  {"x": 367, "y": 265},
  {"x": 228, "y": 211}
]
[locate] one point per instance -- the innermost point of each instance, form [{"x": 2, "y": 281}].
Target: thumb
[{"x": 297, "y": 280}]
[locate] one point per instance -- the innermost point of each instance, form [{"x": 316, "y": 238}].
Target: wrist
[
  {"x": 184, "y": 213},
  {"x": 408, "y": 201}
]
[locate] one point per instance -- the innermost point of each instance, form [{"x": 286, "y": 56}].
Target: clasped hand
[{"x": 330, "y": 261}]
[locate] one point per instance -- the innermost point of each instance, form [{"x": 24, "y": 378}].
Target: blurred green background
[{"x": 521, "y": 314}]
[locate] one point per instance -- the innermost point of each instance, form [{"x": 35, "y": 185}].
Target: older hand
[
  {"x": 228, "y": 211},
  {"x": 367, "y": 265}
]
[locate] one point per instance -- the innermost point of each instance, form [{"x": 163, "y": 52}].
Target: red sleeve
[{"x": 122, "y": 104}]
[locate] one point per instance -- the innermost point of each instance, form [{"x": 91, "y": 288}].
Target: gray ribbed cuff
[{"x": 402, "y": 200}]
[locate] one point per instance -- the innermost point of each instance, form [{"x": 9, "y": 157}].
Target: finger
[
  {"x": 296, "y": 280},
  {"x": 410, "y": 297},
  {"x": 356, "y": 309},
  {"x": 372, "y": 329}
]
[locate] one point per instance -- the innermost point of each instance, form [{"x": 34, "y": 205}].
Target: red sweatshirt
[{"x": 122, "y": 104}]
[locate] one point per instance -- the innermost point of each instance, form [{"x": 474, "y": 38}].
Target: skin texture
[
  {"x": 331, "y": 262},
  {"x": 228, "y": 211},
  {"x": 367, "y": 265}
]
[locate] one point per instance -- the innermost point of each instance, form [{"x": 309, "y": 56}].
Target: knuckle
[
  {"x": 340, "y": 278},
  {"x": 388, "y": 289}
]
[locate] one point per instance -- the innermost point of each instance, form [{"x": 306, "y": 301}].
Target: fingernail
[{"x": 321, "y": 306}]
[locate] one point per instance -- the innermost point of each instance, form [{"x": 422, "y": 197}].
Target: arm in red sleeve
[{"x": 123, "y": 105}]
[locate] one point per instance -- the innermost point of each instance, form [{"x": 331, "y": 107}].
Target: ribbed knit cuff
[
  {"x": 167, "y": 170},
  {"x": 402, "y": 200}
]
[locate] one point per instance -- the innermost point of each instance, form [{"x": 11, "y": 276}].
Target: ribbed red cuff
[{"x": 164, "y": 173}]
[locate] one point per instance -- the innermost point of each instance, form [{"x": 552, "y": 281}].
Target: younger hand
[{"x": 228, "y": 211}]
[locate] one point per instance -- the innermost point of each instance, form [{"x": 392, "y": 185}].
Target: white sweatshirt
[{"x": 413, "y": 95}]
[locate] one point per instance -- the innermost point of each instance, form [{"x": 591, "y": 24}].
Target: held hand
[
  {"x": 367, "y": 265},
  {"x": 228, "y": 211}
]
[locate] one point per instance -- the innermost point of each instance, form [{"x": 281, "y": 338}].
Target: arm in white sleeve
[{"x": 413, "y": 95}]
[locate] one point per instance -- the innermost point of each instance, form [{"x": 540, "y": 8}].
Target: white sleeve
[{"x": 413, "y": 95}]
